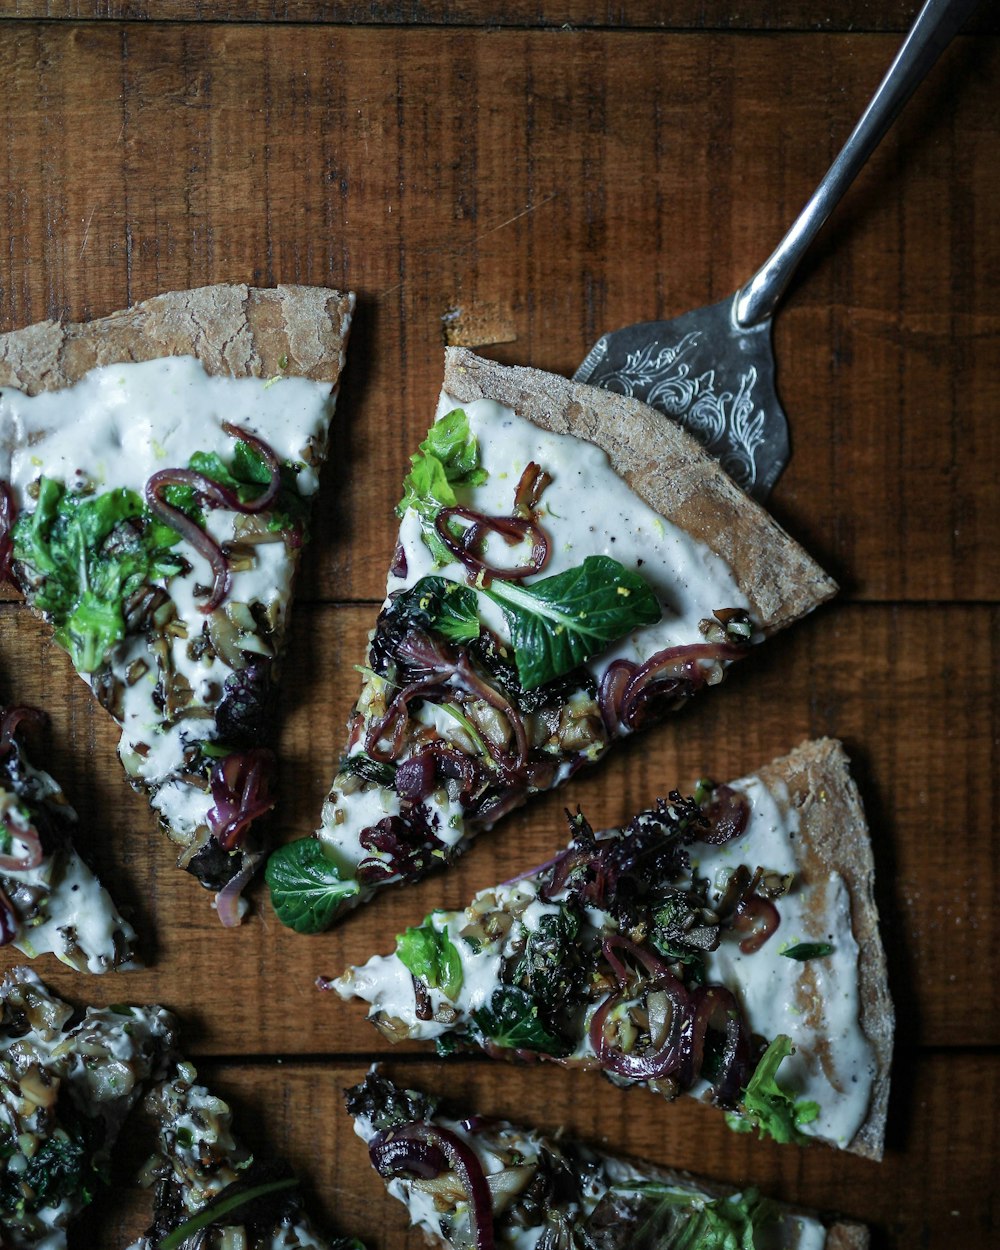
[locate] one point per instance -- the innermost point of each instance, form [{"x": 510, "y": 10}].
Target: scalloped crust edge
[
  {"x": 667, "y": 468},
  {"x": 233, "y": 329}
]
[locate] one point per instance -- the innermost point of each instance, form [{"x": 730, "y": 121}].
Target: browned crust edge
[
  {"x": 231, "y": 328},
  {"x": 667, "y": 468},
  {"x": 834, "y": 838}
]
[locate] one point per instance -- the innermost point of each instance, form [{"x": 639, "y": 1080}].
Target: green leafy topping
[
  {"x": 513, "y": 1022},
  {"x": 379, "y": 773},
  {"x": 62, "y": 1169},
  {"x": 808, "y": 950},
  {"x": 434, "y": 603},
  {"x": 246, "y": 477},
  {"x": 448, "y": 457},
  {"x": 766, "y": 1106},
  {"x": 559, "y": 622},
  {"x": 87, "y": 554},
  {"x": 432, "y": 956},
  {"x": 221, "y": 1206},
  {"x": 306, "y": 887},
  {"x": 667, "y": 1217}
]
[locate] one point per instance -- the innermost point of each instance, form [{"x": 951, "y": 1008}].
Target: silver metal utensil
[{"x": 713, "y": 369}]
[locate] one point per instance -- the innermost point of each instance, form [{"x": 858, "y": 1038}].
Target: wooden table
[{"x": 521, "y": 177}]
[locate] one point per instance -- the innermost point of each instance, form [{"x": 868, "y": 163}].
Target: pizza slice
[
  {"x": 724, "y": 945},
  {"x": 210, "y": 1191},
  {"x": 570, "y": 567},
  {"x": 156, "y": 473},
  {"x": 50, "y": 901},
  {"x": 66, "y": 1086},
  {"x": 480, "y": 1183}
]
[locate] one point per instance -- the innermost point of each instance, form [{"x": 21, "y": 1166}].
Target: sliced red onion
[
  {"x": 392, "y": 723},
  {"x": 626, "y": 688},
  {"x": 758, "y": 917},
  {"x": 33, "y": 855},
  {"x": 649, "y": 1065},
  {"x": 240, "y": 786},
  {"x": 215, "y": 495},
  {"x": 399, "y": 566},
  {"x": 8, "y": 920},
  {"x": 713, "y": 1006},
  {"x": 421, "y": 999},
  {"x": 423, "y": 1149},
  {"x": 728, "y": 813},
  {"x": 227, "y": 901},
  {"x": 8, "y": 515},
  {"x": 11, "y": 719},
  {"x": 512, "y": 528},
  {"x": 529, "y": 490},
  {"x": 418, "y": 776},
  {"x": 478, "y": 686}
]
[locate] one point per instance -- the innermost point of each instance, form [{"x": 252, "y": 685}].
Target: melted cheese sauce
[
  {"x": 115, "y": 428},
  {"x": 815, "y": 1003}
]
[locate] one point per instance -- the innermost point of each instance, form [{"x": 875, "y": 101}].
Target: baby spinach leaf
[
  {"x": 448, "y": 457},
  {"x": 513, "y": 1022},
  {"x": 559, "y": 622},
  {"x": 769, "y": 1108},
  {"x": 434, "y": 603},
  {"x": 306, "y": 887},
  {"x": 432, "y": 956}
]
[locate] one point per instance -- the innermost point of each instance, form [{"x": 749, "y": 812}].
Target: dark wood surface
[{"x": 536, "y": 186}]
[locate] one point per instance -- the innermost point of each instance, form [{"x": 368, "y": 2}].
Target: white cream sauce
[
  {"x": 586, "y": 510},
  {"x": 115, "y": 428},
  {"x": 833, "y": 1064}
]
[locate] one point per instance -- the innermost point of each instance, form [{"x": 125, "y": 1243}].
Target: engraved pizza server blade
[{"x": 713, "y": 369}]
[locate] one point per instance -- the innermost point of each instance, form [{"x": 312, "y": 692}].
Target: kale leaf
[
  {"x": 430, "y": 954},
  {"x": 62, "y": 1169},
  {"x": 448, "y": 457},
  {"x": 655, "y": 1216},
  {"x": 307, "y": 889},
  {"x": 387, "y": 1105},
  {"x": 553, "y": 968},
  {"x": 513, "y": 1021},
  {"x": 769, "y": 1108}
]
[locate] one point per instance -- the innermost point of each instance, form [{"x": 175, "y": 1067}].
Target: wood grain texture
[
  {"x": 496, "y": 177},
  {"x": 929, "y": 1193},
  {"x": 848, "y": 15},
  {"x": 543, "y": 172}
]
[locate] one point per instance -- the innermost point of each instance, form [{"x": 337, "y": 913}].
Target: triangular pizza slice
[
  {"x": 210, "y": 1191},
  {"x": 66, "y": 1086},
  {"x": 50, "y": 900},
  {"x": 474, "y": 1183},
  {"x": 570, "y": 567},
  {"x": 724, "y": 945},
  {"x": 156, "y": 472}
]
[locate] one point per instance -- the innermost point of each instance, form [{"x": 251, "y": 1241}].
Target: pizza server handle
[{"x": 935, "y": 25}]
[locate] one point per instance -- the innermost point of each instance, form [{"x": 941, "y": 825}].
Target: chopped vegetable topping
[
  {"x": 448, "y": 457},
  {"x": 431, "y": 955},
  {"x": 766, "y": 1106}
]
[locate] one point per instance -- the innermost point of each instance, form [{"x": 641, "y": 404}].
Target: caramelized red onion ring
[
  {"x": 514, "y": 529},
  {"x": 425, "y": 1151},
  {"x": 654, "y": 1064},
  {"x": 10, "y": 721},
  {"x": 8, "y": 515},
  {"x": 713, "y": 1006},
  {"x": 727, "y": 813},
  {"x": 529, "y": 490},
  {"x": 758, "y": 918},
  {"x": 227, "y": 901},
  {"x": 8, "y": 919},
  {"x": 673, "y": 672},
  {"x": 240, "y": 786},
  {"x": 214, "y": 495}
]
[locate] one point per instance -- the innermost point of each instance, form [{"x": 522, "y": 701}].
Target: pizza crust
[
  {"x": 834, "y": 838},
  {"x": 231, "y": 329},
  {"x": 667, "y": 468}
]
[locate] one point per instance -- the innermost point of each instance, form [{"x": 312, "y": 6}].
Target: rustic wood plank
[
  {"x": 539, "y": 188},
  {"x": 905, "y": 687},
  {"x": 834, "y": 15},
  {"x": 931, "y": 1190}
]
